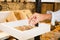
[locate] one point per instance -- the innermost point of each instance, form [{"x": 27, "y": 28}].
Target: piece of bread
[
  {"x": 11, "y": 17},
  {"x": 22, "y": 14},
  {"x": 30, "y": 6},
  {"x": 23, "y": 28},
  {"x": 17, "y": 14},
  {"x": 28, "y": 13},
  {"x": 1, "y": 31},
  {"x": 20, "y": 28},
  {"x": 25, "y": 14},
  {"x": 22, "y": 0}
]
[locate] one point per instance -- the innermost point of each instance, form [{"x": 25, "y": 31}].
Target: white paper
[{"x": 24, "y": 35}]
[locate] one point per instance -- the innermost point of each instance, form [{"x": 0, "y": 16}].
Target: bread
[
  {"x": 17, "y": 15},
  {"x": 52, "y": 35},
  {"x": 11, "y": 38},
  {"x": 11, "y": 17},
  {"x": 1, "y": 31},
  {"x": 30, "y": 6},
  {"x": 57, "y": 29},
  {"x": 22, "y": 0},
  {"x": 25, "y": 14},
  {"x": 23, "y": 28},
  {"x": 22, "y": 15}
]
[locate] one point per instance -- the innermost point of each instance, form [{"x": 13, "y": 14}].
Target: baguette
[
  {"x": 11, "y": 17},
  {"x": 25, "y": 14},
  {"x": 17, "y": 14},
  {"x": 28, "y": 13},
  {"x": 22, "y": 14}
]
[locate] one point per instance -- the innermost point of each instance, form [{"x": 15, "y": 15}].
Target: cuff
[{"x": 53, "y": 17}]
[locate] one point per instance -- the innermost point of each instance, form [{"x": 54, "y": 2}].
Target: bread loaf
[
  {"x": 17, "y": 14},
  {"x": 11, "y": 17},
  {"x": 28, "y": 13},
  {"x": 52, "y": 35},
  {"x": 23, "y": 28},
  {"x": 23, "y": 14},
  {"x": 22, "y": 0},
  {"x": 30, "y": 6},
  {"x": 1, "y": 31}
]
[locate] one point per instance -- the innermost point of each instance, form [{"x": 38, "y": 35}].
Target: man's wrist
[{"x": 45, "y": 17}]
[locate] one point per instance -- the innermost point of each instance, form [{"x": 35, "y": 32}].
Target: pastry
[{"x": 23, "y": 28}]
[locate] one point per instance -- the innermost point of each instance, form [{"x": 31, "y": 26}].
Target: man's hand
[{"x": 35, "y": 18}]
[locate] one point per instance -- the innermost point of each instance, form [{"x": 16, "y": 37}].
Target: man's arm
[{"x": 45, "y": 17}]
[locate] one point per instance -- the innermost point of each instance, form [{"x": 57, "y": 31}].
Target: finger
[
  {"x": 36, "y": 20},
  {"x": 31, "y": 18},
  {"x": 33, "y": 21}
]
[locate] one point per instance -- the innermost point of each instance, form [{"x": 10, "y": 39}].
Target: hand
[{"x": 35, "y": 18}]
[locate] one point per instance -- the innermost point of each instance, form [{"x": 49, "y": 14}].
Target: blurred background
[
  {"x": 10, "y": 5},
  {"x": 23, "y": 4}
]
